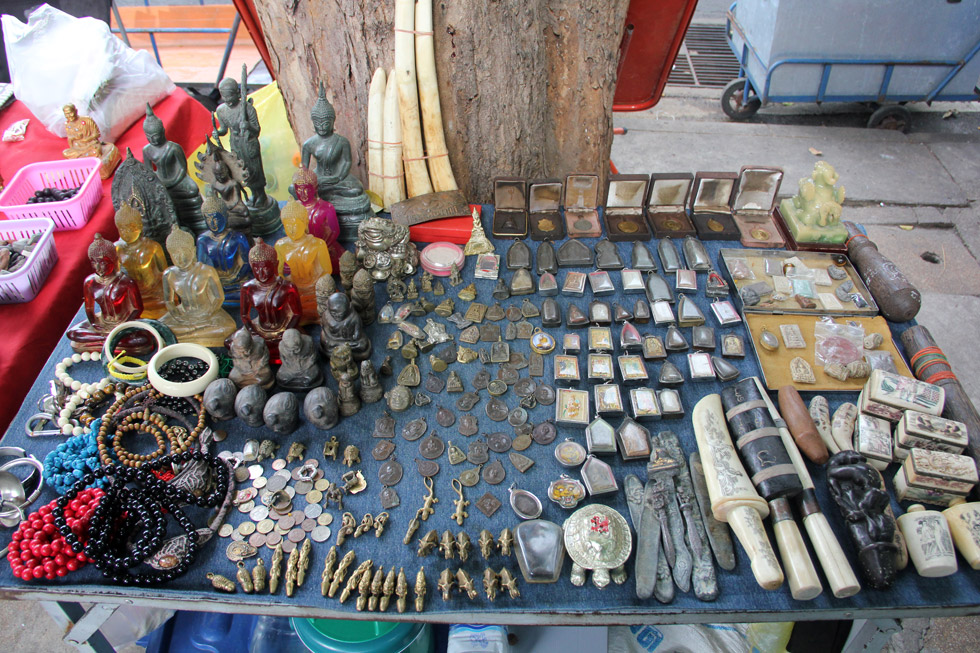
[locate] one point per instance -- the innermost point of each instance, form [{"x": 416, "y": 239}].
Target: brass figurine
[
  {"x": 505, "y": 542},
  {"x": 491, "y": 583},
  {"x": 347, "y": 526},
  {"x": 221, "y": 583},
  {"x": 388, "y": 589},
  {"x": 85, "y": 139},
  {"x": 330, "y": 448},
  {"x": 487, "y": 545},
  {"x": 377, "y": 587},
  {"x": 363, "y": 591},
  {"x": 459, "y": 514},
  {"x": 352, "y": 455},
  {"x": 304, "y": 561},
  {"x": 430, "y": 499},
  {"x": 380, "y": 522},
  {"x": 478, "y": 242},
  {"x": 447, "y": 545},
  {"x": 420, "y": 590},
  {"x": 509, "y": 583},
  {"x": 297, "y": 451},
  {"x": 275, "y": 569},
  {"x": 401, "y": 590},
  {"x": 328, "y": 569},
  {"x": 338, "y": 576},
  {"x": 355, "y": 579},
  {"x": 258, "y": 576},
  {"x": 292, "y": 571},
  {"x": 413, "y": 527},
  {"x": 463, "y": 546},
  {"x": 465, "y": 583},
  {"x": 367, "y": 523},
  {"x": 446, "y": 583},
  {"x": 428, "y": 543},
  {"x": 244, "y": 578}
]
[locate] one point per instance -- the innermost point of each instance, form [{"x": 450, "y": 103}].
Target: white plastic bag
[{"x": 56, "y": 59}]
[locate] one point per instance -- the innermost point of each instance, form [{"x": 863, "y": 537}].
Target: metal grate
[{"x": 704, "y": 60}]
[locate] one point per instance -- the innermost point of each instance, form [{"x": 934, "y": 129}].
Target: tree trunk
[{"x": 526, "y": 86}]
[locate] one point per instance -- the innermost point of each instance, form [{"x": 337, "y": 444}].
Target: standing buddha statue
[
  {"x": 224, "y": 249},
  {"x": 323, "y": 215},
  {"x": 142, "y": 258},
  {"x": 193, "y": 294},
  {"x": 110, "y": 290},
  {"x": 275, "y": 300},
  {"x": 335, "y": 183},
  {"x": 170, "y": 164},
  {"x": 306, "y": 256}
]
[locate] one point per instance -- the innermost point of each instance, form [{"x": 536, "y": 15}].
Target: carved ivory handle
[
  {"x": 733, "y": 497},
  {"x": 804, "y": 584},
  {"x": 416, "y": 172}
]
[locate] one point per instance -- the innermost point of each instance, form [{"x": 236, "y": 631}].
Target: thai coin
[
  {"x": 431, "y": 447},
  {"x": 499, "y": 442}
]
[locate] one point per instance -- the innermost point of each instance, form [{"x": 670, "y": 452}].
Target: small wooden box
[
  {"x": 582, "y": 206},
  {"x": 623, "y": 214},
  {"x": 753, "y": 204},
  {"x": 667, "y": 202},
  {"x": 919, "y": 430},
  {"x": 544, "y": 203},
  {"x": 939, "y": 470},
  {"x": 510, "y": 207},
  {"x": 711, "y": 205}
]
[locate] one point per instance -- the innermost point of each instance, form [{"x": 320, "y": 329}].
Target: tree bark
[{"x": 526, "y": 86}]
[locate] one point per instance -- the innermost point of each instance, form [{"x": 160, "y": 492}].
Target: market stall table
[
  {"x": 741, "y": 599},
  {"x": 31, "y": 330}
]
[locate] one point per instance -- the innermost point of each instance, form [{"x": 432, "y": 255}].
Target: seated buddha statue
[
  {"x": 142, "y": 258},
  {"x": 84, "y": 139},
  {"x": 270, "y": 304},
  {"x": 323, "y": 216},
  {"x": 193, "y": 295},
  {"x": 224, "y": 249},
  {"x": 305, "y": 255},
  {"x": 813, "y": 214},
  {"x": 335, "y": 183},
  {"x": 168, "y": 160},
  {"x": 116, "y": 296},
  {"x": 341, "y": 325}
]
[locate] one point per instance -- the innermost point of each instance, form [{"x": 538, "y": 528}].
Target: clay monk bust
[
  {"x": 84, "y": 139},
  {"x": 340, "y": 324}
]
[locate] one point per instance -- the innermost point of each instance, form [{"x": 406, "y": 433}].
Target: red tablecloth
[{"x": 28, "y": 332}]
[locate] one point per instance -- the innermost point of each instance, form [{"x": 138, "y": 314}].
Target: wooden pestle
[
  {"x": 735, "y": 500},
  {"x": 801, "y": 425}
]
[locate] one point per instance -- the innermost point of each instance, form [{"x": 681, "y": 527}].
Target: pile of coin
[{"x": 283, "y": 507}]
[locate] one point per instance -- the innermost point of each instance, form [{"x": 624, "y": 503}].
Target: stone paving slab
[
  {"x": 958, "y": 274},
  {"x": 952, "y": 321}
]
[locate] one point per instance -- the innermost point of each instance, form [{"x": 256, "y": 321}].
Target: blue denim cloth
[{"x": 740, "y": 599}]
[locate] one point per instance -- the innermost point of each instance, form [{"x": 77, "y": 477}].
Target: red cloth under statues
[{"x": 30, "y": 331}]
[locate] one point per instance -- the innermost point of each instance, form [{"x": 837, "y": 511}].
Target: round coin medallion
[
  {"x": 522, "y": 442},
  {"x": 496, "y": 409},
  {"x": 414, "y": 429},
  {"x": 498, "y": 442},
  {"x": 246, "y": 528},
  {"x": 265, "y": 526},
  {"x": 544, "y": 394},
  {"x": 226, "y": 530},
  {"x": 517, "y": 417},
  {"x": 467, "y": 401},
  {"x": 570, "y": 453},
  {"x": 313, "y": 510},
  {"x": 258, "y": 513},
  {"x": 272, "y": 539},
  {"x": 494, "y": 473},
  {"x": 508, "y": 374},
  {"x": 496, "y": 388},
  {"x": 525, "y": 387},
  {"x": 445, "y": 417},
  {"x": 390, "y": 472},
  {"x": 256, "y": 540},
  {"x": 296, "y": 535},
  {"x": 427, "y": 468},
  {"x": 468, "y": 425},
  {"x": 260, "y": 482},
  {"x": 431, "y": 447},
  {"x": 481, "y": 379},
  {"x": 325, "y": 519},
  {"x": 542, "y": 343},
  {"x": 320, "y": 534},
  {"x": 314, "y": 497},
  {"x": 545, "y": 432},
  {"x": 279, "y": 463}
]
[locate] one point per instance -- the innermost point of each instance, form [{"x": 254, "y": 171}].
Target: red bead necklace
[{"x": 38, "y": 550}]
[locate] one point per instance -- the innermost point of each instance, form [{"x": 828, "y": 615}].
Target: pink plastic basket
[
  {"x": 69, "y": 214},
  {"x": 24, "y": 284}
]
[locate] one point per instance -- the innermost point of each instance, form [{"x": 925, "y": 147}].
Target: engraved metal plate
[
  {"x": 414, "y": 429},
  {"x": 431, "y": 447},
  {"x": 434, "y": 383},
  {"x": 535, "y": 364},
  {"x": 499, "y": 442},
  {"x": 470, "y": 335},
  {"x": 488, "y": 504},
  {"x": 390, "y": 472}
]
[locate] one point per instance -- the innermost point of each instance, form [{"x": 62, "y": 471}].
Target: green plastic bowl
[{"x": 350, "y": 636}]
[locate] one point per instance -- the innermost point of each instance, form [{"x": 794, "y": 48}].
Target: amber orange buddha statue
[
  {"x": 305, "y": 255},
  {"x": 274, "y": 300},
  {"x": 323, "y": 216},
  {"x": 142, "y": 258},
  {"x": 193, "y": 294},
  {"x": 84, "y": 139},
  {"x": 111, "y": 297}
]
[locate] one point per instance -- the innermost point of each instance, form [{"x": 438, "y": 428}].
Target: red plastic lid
[{"x": 438, "y": 258}]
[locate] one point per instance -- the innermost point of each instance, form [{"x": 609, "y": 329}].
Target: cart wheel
[
  {"x": 893, "y": 117},
  {"x": 734, "y": 104}
]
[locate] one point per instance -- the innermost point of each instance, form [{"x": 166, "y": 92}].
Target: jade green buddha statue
[{"x": 813, "y": 215}]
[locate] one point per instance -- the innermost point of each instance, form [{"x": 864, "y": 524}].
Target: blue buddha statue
[{"x": 223, "y": 248}]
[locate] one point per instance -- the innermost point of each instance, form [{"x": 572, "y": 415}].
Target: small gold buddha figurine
[
  {"x": 307, "y": 257},
  {"x": 813, "y": 214},
  {"x": 275, "y": 300},
  {"x": 84, "y": 139},
  {"x": 142, "y": 258},
  {"x": 193, "y": 295},
  {"x": 110, "y": 290}
]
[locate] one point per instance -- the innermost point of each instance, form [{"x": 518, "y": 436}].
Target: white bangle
[
  {"x": 130, "y": 324},
  {"x": 180, "y": 350}
]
